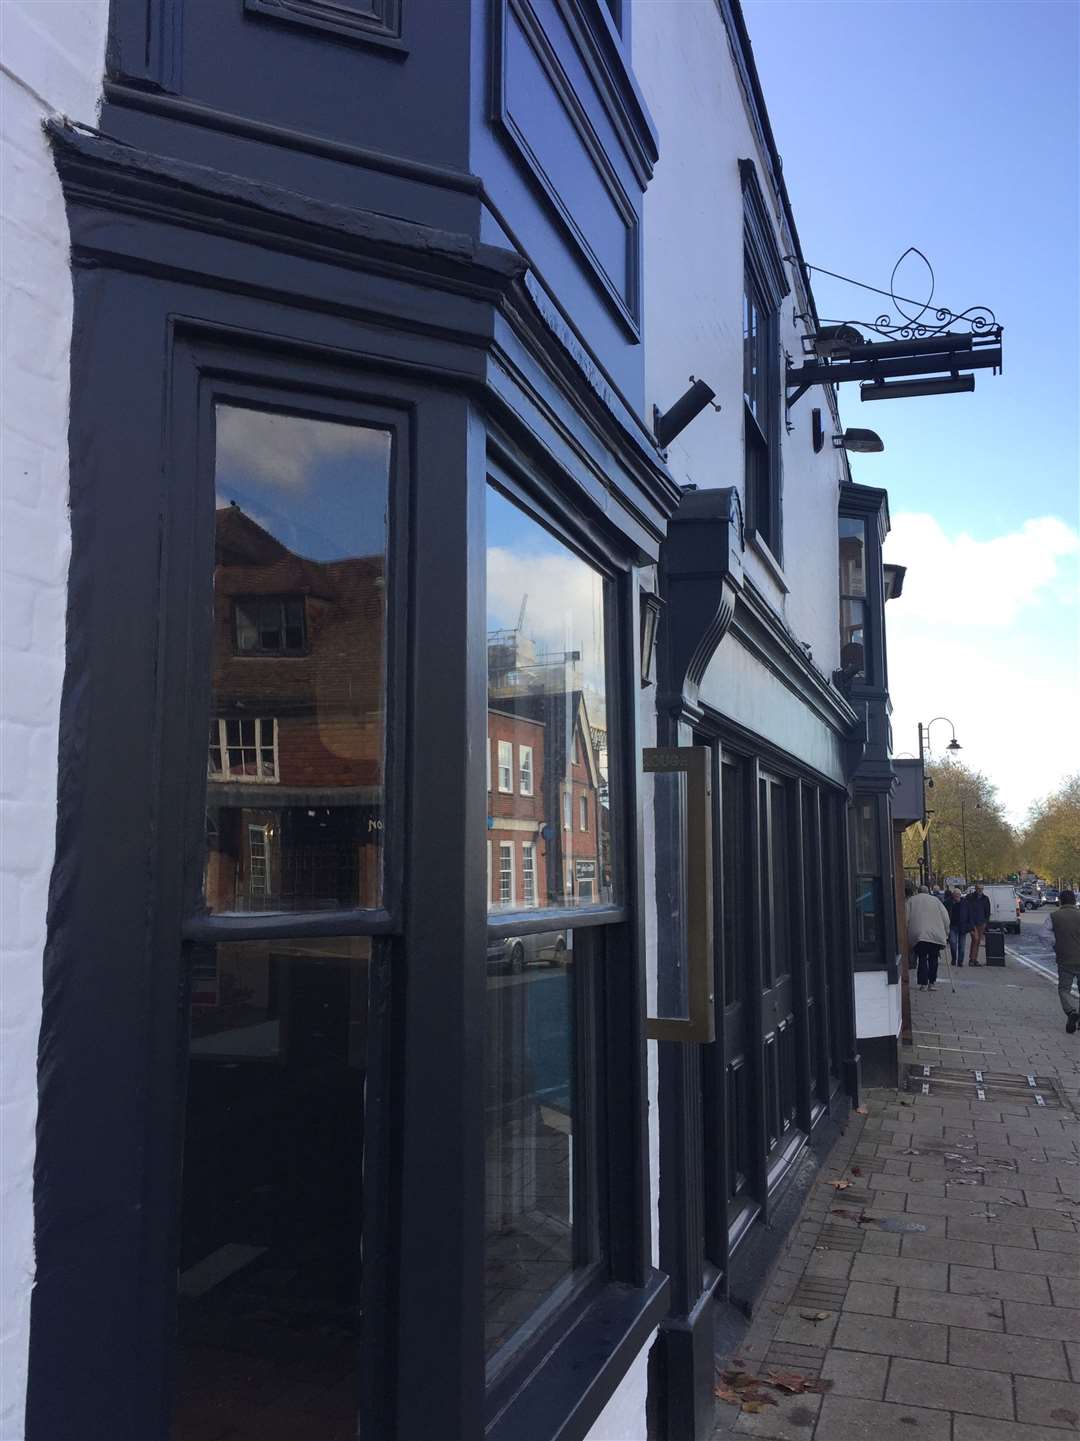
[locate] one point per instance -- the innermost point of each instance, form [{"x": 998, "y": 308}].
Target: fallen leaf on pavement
[
  {"x": 815, "y": 1316},
  {"x": 793, "y": 1382},
  {"x": 856, "y": 1170},
  {"x": 847, "y": 1215},
  {"x": 910, "y": 1152},
  {"x": 1062, "y": 1413},
  {"x": 818, "y": 1385},
  {"x": 862, "y": 1111},
  {"x": 840, "y": 1185},
  {"x": 754, "y": 1404},
  {"x": 740, "y": 1380}
]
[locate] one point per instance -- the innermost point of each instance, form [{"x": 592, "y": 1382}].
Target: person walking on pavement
[
  {"x": 980, "y": 914},
  {"x": 1061, "y": 929},
  {"x": 959, "y": 925},
  {"x": 928, "y": 931}
]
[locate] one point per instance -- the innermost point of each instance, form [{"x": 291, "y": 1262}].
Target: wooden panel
[
  {"x": 540, "y": 114},
  {"x": 366, "y": 22}
]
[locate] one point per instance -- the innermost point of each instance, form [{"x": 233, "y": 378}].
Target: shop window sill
[{"x": 568, "y": 1390}]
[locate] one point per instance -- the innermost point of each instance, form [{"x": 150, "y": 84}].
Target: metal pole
[
  {"x": 926, "y": 833},
  {"x": 963, "y": 841}
]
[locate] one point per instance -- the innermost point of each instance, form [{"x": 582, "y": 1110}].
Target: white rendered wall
[
  {"x": 693, "y": 274},
  {"x": 51, "y": 62}
]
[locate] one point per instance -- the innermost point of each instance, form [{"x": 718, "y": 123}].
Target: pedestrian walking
[
  {"x": 959, "y": 911},
  {"x": 980, "y": 914},
  {"x": 1061, "y": 929},
  {"x": 928, "y": 931}
]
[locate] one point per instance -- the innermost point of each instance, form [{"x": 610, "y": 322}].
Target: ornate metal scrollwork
[{"x": 924, "y": 319}]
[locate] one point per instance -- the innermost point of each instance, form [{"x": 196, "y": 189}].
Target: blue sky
[{"x": 954, "y": 127}]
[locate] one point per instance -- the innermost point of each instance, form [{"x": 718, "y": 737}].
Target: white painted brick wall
[{"x": 51, "y": 62}]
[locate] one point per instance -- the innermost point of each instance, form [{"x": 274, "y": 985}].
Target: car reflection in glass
[{"x": 511, "y": 954}]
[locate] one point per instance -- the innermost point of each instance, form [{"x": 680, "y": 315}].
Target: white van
[{"x": 1004, "y": 907}]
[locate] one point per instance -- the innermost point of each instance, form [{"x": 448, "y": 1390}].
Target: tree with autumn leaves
[
  {"x": 1050, "y": 845},
  {"x": 965, "y": 817}
]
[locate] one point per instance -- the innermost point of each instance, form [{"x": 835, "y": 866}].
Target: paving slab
[
  {"x": 1019, "y": 1355},
  {"x": 872, "y": 1300},
  {"x": 847, "y": 1418},
  {"x": 972, "y": 1428},
  {"x": 981, "y": 1313},
  {"x": 792, "y": 1419},
  {"x": 1048, "y": 1403},
  {"x": 888, "y": 1337},
  {"x": 901, "y": 1271},
  {"x": 1059, "y": 1323},
  {"x": 951, "y": 1388},
  {"x": 855, "y": 1373},
  {"x": 948, "y": 1249},
  {"x": 1005, "y": 1285}
]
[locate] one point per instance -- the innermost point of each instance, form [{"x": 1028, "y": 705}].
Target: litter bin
[{"x": 995, "y": 946}]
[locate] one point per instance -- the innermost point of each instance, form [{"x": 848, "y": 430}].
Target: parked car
[
  {"x": 1031, "y": 900},
  {"x": 1051, "y": 895},
  {"x": 514, "y": 953}
]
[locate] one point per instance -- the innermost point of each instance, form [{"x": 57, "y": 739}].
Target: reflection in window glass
[
  {"x": 547, "y": 700},
  {"x": 270, "y": 1226},
  {"x": 529, "y": 1126},
  {"x": 853, "y": 639},
  {"x": 297, "y": 727}
]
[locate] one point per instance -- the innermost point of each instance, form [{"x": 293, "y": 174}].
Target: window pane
[
  {"x": 853, "y": 635},
  {"x": 852, "y": 557},
  {"x": 547, "y": 694},
  {"x": 299, "y": 663},
  {"x": 270, "y": 1226},
  {"x": 866, "y": 838},
  {"x": 781, "y": 886},
  {"x": 531, "y": 1125},
  {"x": 734, "y": 862}
]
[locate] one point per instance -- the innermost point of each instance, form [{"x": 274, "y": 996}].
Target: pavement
[{"x": 930, "y": 1290}]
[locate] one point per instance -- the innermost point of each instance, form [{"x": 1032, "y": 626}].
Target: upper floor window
[
  {"x": 525, "y": 770},
  {"x": 270, "y": 626},
  {"x": 760, "y": 381},
  {"x": 854, "y": 641},
  {"x": 506, "y": 767},
  {"x": 764, "y": 287},
  {"x": 243, "y": 749}
]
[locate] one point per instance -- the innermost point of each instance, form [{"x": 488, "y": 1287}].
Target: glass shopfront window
[
  {"x": 550, "y": 837},
  {"x": 868, "y": 912},
  {"x": 548, "y": 708},
  {"x": 297, "y": 729}
]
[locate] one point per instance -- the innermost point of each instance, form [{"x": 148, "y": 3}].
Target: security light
[
  {"x": 862, "y": 442},
  {"x": 691, "y": 403}
]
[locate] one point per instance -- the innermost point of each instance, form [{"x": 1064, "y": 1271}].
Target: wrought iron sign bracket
[{"x": 923, "y": 350}]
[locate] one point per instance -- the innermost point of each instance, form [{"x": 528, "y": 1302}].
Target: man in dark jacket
[
  {"x": 980, "y": 914},
  {"x": 959, "y": 925},
  {"x": 1062, "y": 929}
]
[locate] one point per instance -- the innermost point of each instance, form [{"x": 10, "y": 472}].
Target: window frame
[
  {"x": 525, "y": 770},
  {"x": 763, "y": 272},
  {"x": 281, "y": 652},
  {"x": 184, "y": 347},
  {"x": 225, "y": 772},
  {"x": 505, "y": 748},
  {"x": 601, "y": 932}
]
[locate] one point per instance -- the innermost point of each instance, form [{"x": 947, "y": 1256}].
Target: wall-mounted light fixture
[
  {"x": 690, "y": 404},
  {"x": 901, "y": 389},
  {"x": 860, "y": 442},
  {"x": 650, "y": 604}
]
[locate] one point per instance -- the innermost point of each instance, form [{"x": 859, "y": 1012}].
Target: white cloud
[
  {"x": 564, "y": 611},
  {"x": 986, "y": 633},
  {"x": 960, "y": 581},
  {"x": 281, "y": 451}
]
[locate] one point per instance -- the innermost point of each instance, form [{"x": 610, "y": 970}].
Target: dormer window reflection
[
  {"x": 272, "y": 625},
  {"x": 854, "y": 641}
]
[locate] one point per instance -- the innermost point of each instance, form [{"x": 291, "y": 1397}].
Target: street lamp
[
  {"x": 963, "y": 837},
  {"x": 954, "y": 745}
]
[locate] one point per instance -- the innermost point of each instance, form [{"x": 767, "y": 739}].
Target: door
[
  {"x": 779, "y": 1056},
  {"x": 738, "y": 985}
]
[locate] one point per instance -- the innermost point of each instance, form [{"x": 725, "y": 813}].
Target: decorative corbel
[{"x": 701, "y": 577}]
